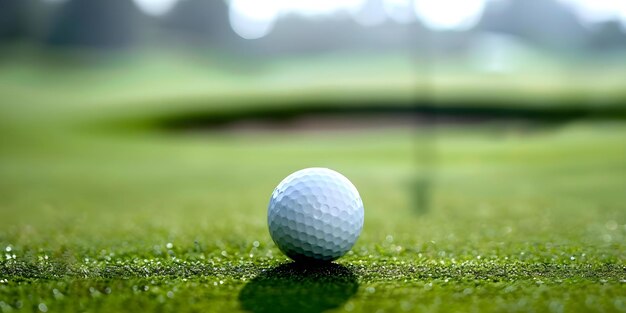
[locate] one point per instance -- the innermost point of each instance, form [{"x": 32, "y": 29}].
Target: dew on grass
[
  {"x": 8, "y": 249},
  {"x": 94, "y": 292},
  {"x": 406, "y": 306},
  {"x": 556, "y": 306},
  {"x": 57, "y": 294},
  {"x": 256, "y": 244},
  {"x": 42, "y": 307},
  {"x": 169, "y": 245},
  {"x": 611, "y": 225}
]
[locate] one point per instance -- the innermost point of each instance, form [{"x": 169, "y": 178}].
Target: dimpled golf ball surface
[{"x": 315, "y": 214}]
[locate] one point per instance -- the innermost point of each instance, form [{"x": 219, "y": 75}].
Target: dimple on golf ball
[{"x": 315, "y": 214}]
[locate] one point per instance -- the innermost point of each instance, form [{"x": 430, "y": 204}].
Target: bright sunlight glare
[
  {"x": 155, "y": 7},
  {"x": 255, "y": 19},
  {"x": 594, "y": 11},
  {"x": 449, "y": 14},
  {"x": 252, "y": 19}
]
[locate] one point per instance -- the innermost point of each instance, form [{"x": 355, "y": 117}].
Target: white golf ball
[{"x": 315, "y": 214}]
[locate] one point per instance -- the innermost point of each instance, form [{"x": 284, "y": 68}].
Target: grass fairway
[{"x": 512, "y": 219}]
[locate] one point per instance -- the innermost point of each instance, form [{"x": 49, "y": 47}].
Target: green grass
[{"x": 502, "y": 218}]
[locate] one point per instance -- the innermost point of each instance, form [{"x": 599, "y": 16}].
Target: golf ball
[{"x": 315, "y": 214}]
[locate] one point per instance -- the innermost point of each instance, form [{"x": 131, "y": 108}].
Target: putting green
[{"x": 458, "y": 218}]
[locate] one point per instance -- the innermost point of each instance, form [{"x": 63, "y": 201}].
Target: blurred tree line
[
  {"x": 110, "y": 23},
  {"x": 119, "y": 24}
]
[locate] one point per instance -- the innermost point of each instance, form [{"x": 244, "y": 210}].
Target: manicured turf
[{"x": 501, "y": 218}]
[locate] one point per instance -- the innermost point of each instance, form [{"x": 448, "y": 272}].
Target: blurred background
[
  {"x": 382, "y": 90},
  {"x": 469, "y": 50},
  {"x": 546, "y": 52}
]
